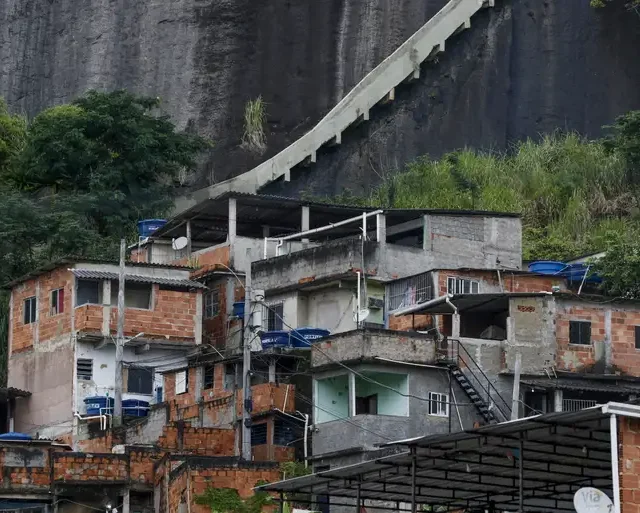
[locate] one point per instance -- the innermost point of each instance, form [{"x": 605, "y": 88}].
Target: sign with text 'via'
[{"x": 592, "y": 500}]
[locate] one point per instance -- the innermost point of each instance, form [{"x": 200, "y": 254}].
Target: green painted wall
[
  {"x": 332, "y": 395},
  {"x": 389, "y": 402}
]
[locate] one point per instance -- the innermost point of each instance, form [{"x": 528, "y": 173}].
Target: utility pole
[
  {"x": 246, "y": 366},
  {"x": 117, "y": 406}
]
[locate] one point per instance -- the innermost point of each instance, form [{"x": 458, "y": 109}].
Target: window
[
  {"x": 438, "y": 404},
  {"x": 274, "y": 316},
  {"x": 84, "y": 368},
  {"x": 409, "y": 291},
  {"x": 57, "y": 302},
  {"x": 30, "y": 310},
  {"x": 367, "y": 405},
  {"x": 462, "y": 286},
  {"x": 637, "y": 337},
  {"x": 182, "y": 381},
  {"x": 89, "y": 292},
  {"x": 259, "y": 434},
  {"x": 211, "y": 304},
  {"x": 209, "y": 371},
  {"x": 284, "y": 432},
  {"x": 580, "y": 333},
  {"x": 230, "y": 376},
  {"x": 140, "y": 380},
  {"x": 136, "y": 295}
]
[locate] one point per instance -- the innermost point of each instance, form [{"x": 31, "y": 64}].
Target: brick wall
[
  {"x": 81, "y": 467},
  {"x": 100, "y": 444},
  {"x": 512, "y": 282},
  {"x": 25, "y": 469},
  {"x": 241, "y": 479},
  {"x": 198, "y": 441},
  {"x": 612, "y": 337},
  {"x": 272, "y": 453},
  {"x": 47, "y": 326},
  {"x": 180, "y": 405},
  {"x": 629, "y": 464},
  {"x": 208, "y": 257},
  {"x": 141, "y": 464},
  {"x": 178, "y": 491}
]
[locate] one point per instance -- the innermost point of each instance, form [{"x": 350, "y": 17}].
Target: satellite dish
[
  {"x": 592, "y": 500},
  {"x": 179, "y": 243},
  {"x": 361, "y": 315}
]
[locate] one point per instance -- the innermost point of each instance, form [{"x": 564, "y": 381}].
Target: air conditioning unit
[{"x": 375, "y": 304}]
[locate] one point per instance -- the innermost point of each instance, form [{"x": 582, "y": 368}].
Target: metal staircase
[
  {"x": 377, "y": 87},
  {"x": 477, "y": 386}
]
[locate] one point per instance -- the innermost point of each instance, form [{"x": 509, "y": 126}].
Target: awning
[
  {"x": 12, "y": 393},
  {"x": 90, "y": 274},
  {"x": 450, "y": 303},
  {"x": 536, "y": 464}
]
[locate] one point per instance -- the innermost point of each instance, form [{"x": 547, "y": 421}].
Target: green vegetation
[
  {"x": 255, "y": 117},
  {"x": 227, "y": 500},
  {"x": 631, "y": 4},
  {"x": 620, "y": 267},
  {"x": 572, "y": 192},
  {"x": 79, "y": 176}
]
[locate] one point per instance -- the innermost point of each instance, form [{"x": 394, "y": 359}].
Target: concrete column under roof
[
  {"x": 304, "y": 223},
  {"x": 232, "y": 230}
]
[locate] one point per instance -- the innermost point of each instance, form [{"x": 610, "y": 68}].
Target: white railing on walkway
[
  {"x": 375, "y": 87},
  {"x": 577, "y": 404}
]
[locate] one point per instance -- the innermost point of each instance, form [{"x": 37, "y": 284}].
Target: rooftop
[
  {"x": 62, "y": 262},
  {"x": 253, "y": 211},
  {"x": 531, "y": 464}
]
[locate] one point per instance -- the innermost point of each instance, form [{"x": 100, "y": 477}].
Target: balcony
[{"x": 373, "y": 344}]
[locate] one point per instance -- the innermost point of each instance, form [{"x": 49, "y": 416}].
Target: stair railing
[{"x": 477, "y": 377}]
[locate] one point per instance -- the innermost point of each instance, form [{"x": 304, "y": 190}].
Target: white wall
[
  {"x": 331, "y": 309},
  {"x": 103, "y": 381}
]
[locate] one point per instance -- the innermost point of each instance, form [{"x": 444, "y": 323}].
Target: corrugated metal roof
[
  {"x": 11, "y": 392},
  {"x": 587, "y": 385},
  {"x": 89, "y": 274}
]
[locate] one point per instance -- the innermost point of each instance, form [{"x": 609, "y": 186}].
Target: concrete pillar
[
  {"x": 272, "y": 370},
  {"x": 197, "y": 319},
  {"x": 189, "y": 238},
  {"x": 455, "y": 326},
  {"x": 106, "y": 307},
  {"x": 304, "y": 225},
  {"x": 557, "y": 400},
  {"x": 608, "y": 358},
  {"x": 231, "y": 237},
  {"x": 381, "y": 229},
  {"x": 266, "y": 231},
  {"x": 352, "y": 394},
  {"x": 426, "y": 234},
  {"x": 126, "y": 500}
]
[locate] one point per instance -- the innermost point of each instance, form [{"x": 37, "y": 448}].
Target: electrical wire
[{"x": 362, "y": 376}]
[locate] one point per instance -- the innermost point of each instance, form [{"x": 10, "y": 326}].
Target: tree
[
  {"x": 620, "y": 267},
  {"x": 632, "y": 5},
  {"x": 12, "y": 138},
  {"x": 624, "y": 139}
]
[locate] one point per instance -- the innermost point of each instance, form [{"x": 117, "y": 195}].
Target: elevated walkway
[{"x": 375, "y": 88}]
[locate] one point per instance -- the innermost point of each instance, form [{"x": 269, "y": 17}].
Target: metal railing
[
  {"x": 577, "y": 404},
  {"x": 458, "y": 355}
]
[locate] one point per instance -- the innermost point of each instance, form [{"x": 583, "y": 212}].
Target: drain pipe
[
  {"x": 615, "y": 474},
  {"x": 103, "y": 419}
]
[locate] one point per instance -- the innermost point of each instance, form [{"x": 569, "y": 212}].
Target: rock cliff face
[{"x": 525, "y": 67}]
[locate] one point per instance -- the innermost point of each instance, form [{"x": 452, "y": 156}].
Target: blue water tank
[
  {"x": 238, "y": 309},
  {"x": 547, "y": 267},
  {"x": 135, "y": 408},
  {"x": 95, "y": 403},
  {"x": 271, "y": 339},
  {"x": 147, "y": 226},
  {"x": 304, "y": 337},
  {"x": 577, "y": 272},
  {"x": 15, "y": 436}
]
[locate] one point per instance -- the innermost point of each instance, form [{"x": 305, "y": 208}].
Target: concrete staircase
[{"x": 377, "y": 87}]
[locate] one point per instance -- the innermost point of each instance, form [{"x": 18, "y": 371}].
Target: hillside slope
[{"x": 525, "y": 67}]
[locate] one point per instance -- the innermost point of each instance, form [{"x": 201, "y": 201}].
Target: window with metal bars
[
  {"x": 211, "y": 304},
  {"x": 274, "y": 316},
  {"x": 410, "y": 291},
  {"x": 580, "y": 333},
  {"x": 438, "y": 404},
  {"x": 259, "y": 434},
  {"x": 84, "y": 368},
  {"x": 57, "y": 302},
  {"x": 208, "y": 375},
  {"x": 462, "y": 286}
]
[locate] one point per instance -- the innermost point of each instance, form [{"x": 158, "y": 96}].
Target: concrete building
[{"x": 62, "y": 321}]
